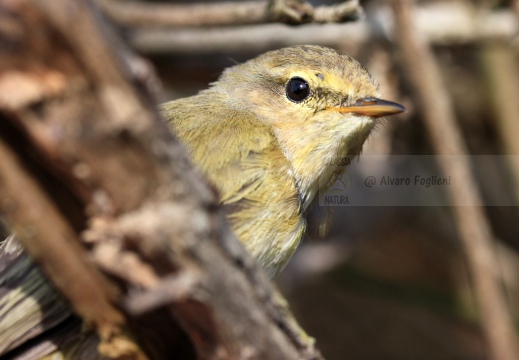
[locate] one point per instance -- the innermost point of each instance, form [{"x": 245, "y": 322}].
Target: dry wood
[
  {"x": 499, "y": 63},
  {"x": 139, "y": 14},
  {"x": 461, "y": 23},
  {"x": 473, "y": 226},
  {"x": 105, "y": 200}
]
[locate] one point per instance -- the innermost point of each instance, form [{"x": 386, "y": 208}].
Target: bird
[{"x": 271, "y": 133}]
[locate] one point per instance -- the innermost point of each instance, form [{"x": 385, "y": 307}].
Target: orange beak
[{"x": 371, "y": 107}]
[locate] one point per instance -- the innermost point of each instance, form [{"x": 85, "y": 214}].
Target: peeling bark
[{"x": 104, "y": 199}]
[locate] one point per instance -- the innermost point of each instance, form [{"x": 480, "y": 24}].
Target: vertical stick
[{"x": 474, "y": 229}]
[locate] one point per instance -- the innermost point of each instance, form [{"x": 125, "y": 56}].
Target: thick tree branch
[{"x": 104, "y": 198}]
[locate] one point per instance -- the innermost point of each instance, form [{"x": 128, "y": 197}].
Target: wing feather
[{"x": 241, "y": 157}]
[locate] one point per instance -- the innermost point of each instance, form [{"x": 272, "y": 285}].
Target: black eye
[{"x": 297, "y": 89}]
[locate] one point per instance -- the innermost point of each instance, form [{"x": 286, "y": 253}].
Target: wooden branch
[
  {"x": 242, "y": 38},
  {"x": 106, "y": 201},
  {"x": 462, "y": 23},
  {"x": 146, "y": 14},
  {"x": 473, "y": 226},
  {"x": 499, "y": 64}
]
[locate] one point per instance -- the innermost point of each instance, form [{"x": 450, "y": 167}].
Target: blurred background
[{"x": 391, "y": 281}]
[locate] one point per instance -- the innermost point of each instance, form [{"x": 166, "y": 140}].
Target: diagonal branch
[
  {"x": 473, "y": 226},
  {"x": 105, "y": 200}
]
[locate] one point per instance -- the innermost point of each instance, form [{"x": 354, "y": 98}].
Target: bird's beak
[{"x": 371, "y": 107}]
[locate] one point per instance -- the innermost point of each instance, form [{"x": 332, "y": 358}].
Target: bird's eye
[{"x": 297, "y": 89}]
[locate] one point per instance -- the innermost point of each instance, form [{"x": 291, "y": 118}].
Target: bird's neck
[{"x": 317, "y": 159}]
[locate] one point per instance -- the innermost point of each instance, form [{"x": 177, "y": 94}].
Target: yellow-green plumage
[
  {"x": 268, "y": 155},
  {"x": 241, "y": 158}
]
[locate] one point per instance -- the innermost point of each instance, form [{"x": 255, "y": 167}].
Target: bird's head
[{"x": 321, "y": 104}]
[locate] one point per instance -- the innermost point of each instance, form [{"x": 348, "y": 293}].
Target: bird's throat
[{"x": 317, "y": 164}]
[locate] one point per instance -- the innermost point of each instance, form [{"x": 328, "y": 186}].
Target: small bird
[{"x": 274, "y": 131}]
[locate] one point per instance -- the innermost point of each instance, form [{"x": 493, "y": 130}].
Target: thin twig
[
  {"x": 461, "y": 25},
  {"x": 499, "y": 63},
  {"x": 146, "y": 14},
  {"x": 251, "y": 38},
  {"x": 473, "y": 226}
]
